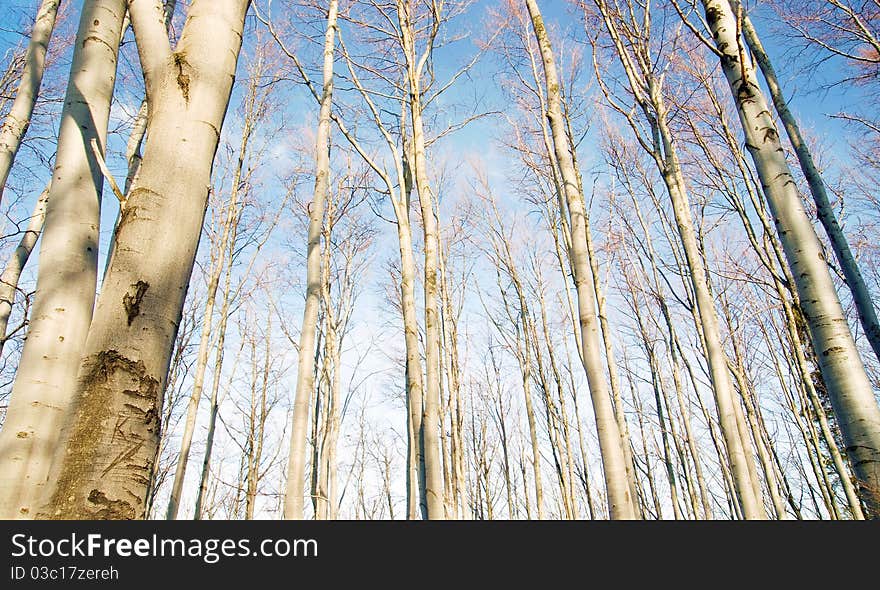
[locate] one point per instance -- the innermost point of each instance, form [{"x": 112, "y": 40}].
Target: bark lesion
[
  {"x": 132, "y": 301},
  {"x": 183, "y": 79},
  {"x": 714, "y": 15},
  {"x": 111, "y": 509}
]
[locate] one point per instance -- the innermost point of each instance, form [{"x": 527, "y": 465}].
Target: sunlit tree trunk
[
  {"x": 431, "y": 407},
  {"x": 67, "y": 273},
  {"x": 218, "y": 265},
  {"x": 18, "y": 119},
  {"x": 620, "y": 502},
  {"x": 125, "y": 359},
  {"x": 12, "y": 272},
  {"x": 839, "y": 243},
  {"x": 136, "y": 138},
  {"x": 848, "y": 386},
  {"x": 305, "y": 379}
]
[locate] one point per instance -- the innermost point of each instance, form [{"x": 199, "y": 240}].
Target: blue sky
[{"x": 477, "y": 140}]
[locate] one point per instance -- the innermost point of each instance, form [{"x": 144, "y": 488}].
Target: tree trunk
[
  {"x": 620, "y": 502},
  {"x": 104, "y": 469},
  {"x": 706, "y": 317},
  {"x": 848, "y": 386},
  {"x": 68, "y": 267},
  {"x": 416, "y": 498},
  {"x": 431, "y": 409},
  {"x": 136, "y": 138},
  {"x": 227, "y": 233},
  {"x": 839, "y": 243},
  {"x": 305, "y": 377},
  {"x": 12, "y": 272},
  {"x": 18, "y": 119}
]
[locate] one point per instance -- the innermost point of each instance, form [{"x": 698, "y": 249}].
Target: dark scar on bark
[{"x": 132, "y": 301}]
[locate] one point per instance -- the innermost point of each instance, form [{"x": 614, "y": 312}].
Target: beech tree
[
  {"x": 187, "y": 93},
  {"x": 621, "y": 502},
  {"x": 18, "y": 118},
  {"x": 66, "y": 283},
  {"x": 305, "y": 369},
  {"x": 634, "y": 53},
  {"x": 440, "y": 260},
  {"x": 842, "y": 368}
]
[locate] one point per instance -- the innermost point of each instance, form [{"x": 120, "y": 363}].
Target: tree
[
  {"x": 67, "y": 277},
  {"x": 126, "y": 356},
  {"x": 305, "y": 380},
  {"x": 647, "y": 88},
  {"x": 255, "y": 112},
  {"x": 12, "y": 273},
  {"x": 842, "y": 370},
  {"x": 18, "y": 119},
  {"x": 621, "y": 505},
  {"x": 839, "y": 243}
]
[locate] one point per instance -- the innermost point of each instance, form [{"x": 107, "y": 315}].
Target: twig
[{"x": 106, "y": 172}]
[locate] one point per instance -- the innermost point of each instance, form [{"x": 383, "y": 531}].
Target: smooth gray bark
[
  {"x": 103, "y": 471},
  {"x": 620, "y": 502},
  {"x": 305, "y": 378},
  {"x": 839, "y": 243},
  {"x": 68, "y": 267},
  {"x": 12, "y": 272},
  {"x": 842, "y": 370}
]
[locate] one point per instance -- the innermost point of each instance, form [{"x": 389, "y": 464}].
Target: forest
[{"x": 440, "y": 259}]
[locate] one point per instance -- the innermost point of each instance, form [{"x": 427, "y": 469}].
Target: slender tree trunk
[
  {"x": 450, "y": 328},
  {"x": 68, "y": 269},
  {"x": 214, "y": 408},
  {"x": 12, "y": 272},
  {"x": 416, "y": 499},
  {"x": 738, "y": 451},
  {"x": 125, "y": 359},
  {"x": 431, "y": 407},
  {"x": 525, "y": 362},
  {"x": 613, "y": 376},
  {"x": 259, "y": 413},
  {"x": 18, "y": 119},
  {"x": 305, "y": 378},
  {"x": 522, "y": 322},
  {"x": 839, "y": 243},
  {"x": 215, "y": 386},
  {"x": 228, "y": 296},
  {"x": 848, "y": 386},
  {"x": 620, "y": 502},
  {"x": 684, "y": 408}
]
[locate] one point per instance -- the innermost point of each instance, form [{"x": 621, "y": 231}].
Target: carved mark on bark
[
  {"x": 132, "y": 301},
  {"x": 126, "y": 454},
  {"x": 103, "y": 375}
]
